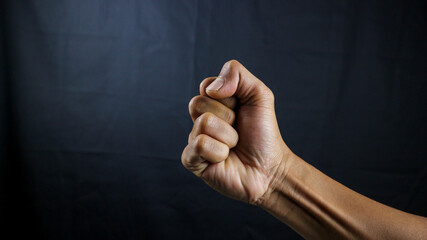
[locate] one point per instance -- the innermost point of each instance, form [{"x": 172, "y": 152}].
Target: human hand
[
  {"x": 235, "y": 145},
  {"x": 236, "y": 148}
]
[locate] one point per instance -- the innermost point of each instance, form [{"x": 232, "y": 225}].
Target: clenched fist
[{"x": 235, "y": 145}]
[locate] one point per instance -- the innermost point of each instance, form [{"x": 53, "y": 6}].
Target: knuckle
[
  {"x": 195, "y": 104},
  {"x": 200, "y": 144},
  {"x": 233, "y": 63},
  {"x": 184, "y": 158},
  {"x": 203, "y": 121},
  {"x": 192, "y": 104},
  {"x": 190, "y": 137}
]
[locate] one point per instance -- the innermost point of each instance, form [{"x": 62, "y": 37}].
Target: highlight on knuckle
[
  {"x": 196, "y": 104},
  {"x": 192, "y": 104},
  {"x": 184, "y": 157},
  {"x": 234, "y": 63},
  {"x": 204, "y": 121},
  {"x": 200, "y": 144}
]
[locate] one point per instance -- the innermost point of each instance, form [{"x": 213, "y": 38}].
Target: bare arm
[
  {"x": 240, "y": 153},
  {"x": 315, "y": 205}
]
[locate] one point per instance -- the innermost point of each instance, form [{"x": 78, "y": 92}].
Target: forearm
[{"x": 316, "y": 207}]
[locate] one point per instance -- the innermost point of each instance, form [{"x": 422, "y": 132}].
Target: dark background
[{"x": 94, "y": 117}]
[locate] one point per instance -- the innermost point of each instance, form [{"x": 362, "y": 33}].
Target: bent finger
[
  {"x": 201, "y": 152},
  {"x": 215, "y": 127},
  {"x": 202, "y": 104}
]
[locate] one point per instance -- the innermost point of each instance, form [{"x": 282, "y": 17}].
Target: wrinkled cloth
[{"x": 94, "y": 109}]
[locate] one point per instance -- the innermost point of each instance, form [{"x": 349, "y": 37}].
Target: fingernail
[{"x": 216, "y": 84}]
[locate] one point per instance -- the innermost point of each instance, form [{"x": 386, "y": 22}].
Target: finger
[
  {"x": 230, "y": 102},
  {"x": 202, "y": 104},
  {"x": 216, "y": 128},
  {"x": 235, "y": 79},
  {"x": 193, "y": 163},
  {"x": 201, "y": 152}
]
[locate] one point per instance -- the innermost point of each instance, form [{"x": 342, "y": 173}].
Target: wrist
[{"x": 278, "y": 180}]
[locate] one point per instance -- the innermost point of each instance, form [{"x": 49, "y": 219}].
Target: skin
[{"x": 236, "y": 147}]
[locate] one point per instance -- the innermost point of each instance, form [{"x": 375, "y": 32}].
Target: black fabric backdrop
[{"x": 94, "y": 111}]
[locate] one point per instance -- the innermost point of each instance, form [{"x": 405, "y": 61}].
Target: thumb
[{"x": 235, "y": 79}]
